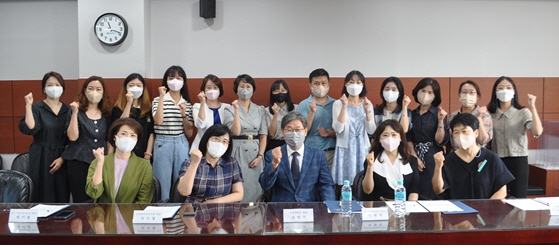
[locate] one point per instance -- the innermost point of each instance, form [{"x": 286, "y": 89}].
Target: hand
[
  {"x": 56, "y": 164},
  {"x": 147, "y": 157},
  {"x": 255, "y": 162},
  {"x": 367, "y": 105},
  {"x": 99, "y": 154},
  {"x": 28, "y": 99},
  {"x": 129, "y": 97},
  {"x": 442, "y": 114},
  {"x": 202, "y": 97},
  {"x": 195, "y": 156},
  {"x": 343, "y": 99},
  {"x": 162, "y": 91},
  {"x": 481, "y": 112},
  {"x": 235, "y": 105},
  {"x": 370, "y": 158},
  {"x": 420, "y": 165},
  {"x": 182, "y": 106},
  {"x": 322, "y": 132},
  {"x": 276, "y": 157},
  {"x": 531, "y": 101},
  {"x": 439, "y": 159},
  {"x": 312, "y": 106},
  {"x": 275, "y": 108},
  {"x": 406, "y": 101},
  {"x": 74, "y": 106}
]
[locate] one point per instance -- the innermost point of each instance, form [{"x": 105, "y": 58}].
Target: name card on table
[
  {"x": 148, "y": 229},
  {"x": 371, "y": 226},
  {"x": 298, "y": 215},
  {"x": 147, "y": 217},
  {"x": 298, "y": 227},
  {"x": 23, "y": 215},
  {"x": 554, "y": 208},
  {"x": 374, "y": 213},
  {"x": 23, "y": 227}
]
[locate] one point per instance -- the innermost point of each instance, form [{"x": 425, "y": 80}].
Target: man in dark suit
[{"x": 295, "y": 172}]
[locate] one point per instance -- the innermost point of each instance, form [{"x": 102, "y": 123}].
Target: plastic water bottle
[
  {"x": 346, "y": 199},
  {"x": 400, "y": 199}
]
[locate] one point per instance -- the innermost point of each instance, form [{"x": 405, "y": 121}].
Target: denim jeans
[{"x": 169, "y": 153}]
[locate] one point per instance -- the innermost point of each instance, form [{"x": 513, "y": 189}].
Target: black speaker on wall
[{"x": 207, "y": 9}]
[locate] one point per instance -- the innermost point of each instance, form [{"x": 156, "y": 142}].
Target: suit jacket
[{"x": 315, "y": 181}]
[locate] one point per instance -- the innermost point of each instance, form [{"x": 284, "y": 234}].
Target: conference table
[{"x": 495, "y": 222}]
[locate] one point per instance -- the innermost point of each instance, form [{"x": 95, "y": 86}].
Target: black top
[
  {"x": 411, "y": 183},
  {"x": 463, "y": 181},
  {"x": 147, "y": 125},
  {"x": 49, "y": 128},
  {"x": 425, "y": 127},
  {"x": 93, "y": 135}
]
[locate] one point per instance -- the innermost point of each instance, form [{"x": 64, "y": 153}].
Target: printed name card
[
  {"x": 298, "y": 215},
  {"x": 23, "y": 215},
  {"x": 148, "y": 229},
  {"x": 301, "y": 227},
  {"x": 147, "y": 217},
  {"x": 554, "y": 208},
  {"x": 375, "y": 213},
  {"x": 371, "y": 226},
  {"x": 23, "y": 227}
]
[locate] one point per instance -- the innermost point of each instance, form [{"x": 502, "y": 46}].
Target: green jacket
[{"x": 135, "y": 187}]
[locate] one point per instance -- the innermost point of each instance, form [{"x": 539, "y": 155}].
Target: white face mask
[
  {"x": 125, "y": 144},
  {"x": 467, "y": 100},
  {"x": 212, "y": 94},
  {"x": 390, "y": 96},
  {"x": 320, "y": 91},
  {"x": 94, "y": 96},
  {"x": 390, "y": 144},
  {"x": 136, "y": 91},
  {"x": 466, "y": 141},
  {"x": 175, "y": 84},
  {"x": 425, "y": 99},
  {"x": 54, "y": 91},
  {"x": 354, "y": 89},
  {"x": 505, "y": 95},
  {"x": 216, "y": 149}
]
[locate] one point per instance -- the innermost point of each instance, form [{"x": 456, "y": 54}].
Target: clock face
[{"x": 111, "y": 29}]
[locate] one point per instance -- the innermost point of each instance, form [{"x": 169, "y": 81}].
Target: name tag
[
  {"x": 148, "y": 229},
  {"x": 23, "y": 215},
  {"x": 554, "y": 208},
  {"x": 147, "y": 217},
  {"x": 23, "y": 227},
  {"x": 371, "y": 226},
  {"x": 374, "y": 213},
  {"x": 298, "y": 215},
  {"x": 301, "y": 227}
]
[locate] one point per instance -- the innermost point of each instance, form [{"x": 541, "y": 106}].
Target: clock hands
[
  {"x": 116, "y": 31},
  {"x": 109, "y": 24}
]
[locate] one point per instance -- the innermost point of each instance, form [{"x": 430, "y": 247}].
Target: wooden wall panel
[
  {"x": 6, "y": 101},
  {"x": 485, "y": 87},
  {"x": 21, "y": 141},
  {"x": 22, "y": 88},
  {"x": 551, "y": 95},
  {"x": 70, "y": 92},
  {"x": 7, "y": 137}
]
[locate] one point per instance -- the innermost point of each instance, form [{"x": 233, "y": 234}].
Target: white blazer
[
  {"x": 342, "y": 129},
  {"x": 202, "y": 126}
]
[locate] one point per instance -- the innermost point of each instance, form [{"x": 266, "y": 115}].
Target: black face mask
[{"x": 281, "y": 97}]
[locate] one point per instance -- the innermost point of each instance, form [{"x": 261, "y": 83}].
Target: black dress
[
  {"x": 382, "y": 189},
  {"x": 147, "y": 125},
  {"x": 49, "y": 140}
]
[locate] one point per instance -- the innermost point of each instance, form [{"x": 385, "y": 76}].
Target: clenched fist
[
  {"x": 162, "y": 90},
  {"x": 312, "y": 106},
  {"x": 439, "y": 159},
  {"x": 370, "y": 158},
  {"x": 276, "y": 157},
  {"x": 74, "y": 106},
  {"x": 442, "y": 114},
  {"x": 195, "y": 157},
  {"x": 28, "y": 99}
]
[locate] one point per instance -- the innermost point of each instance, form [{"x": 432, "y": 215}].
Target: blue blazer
[{"x": 315, "y": 181}]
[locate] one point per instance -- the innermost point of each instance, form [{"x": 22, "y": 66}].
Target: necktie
[{"x": 295, "y": 171}]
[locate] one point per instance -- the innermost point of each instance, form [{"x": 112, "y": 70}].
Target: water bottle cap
[
  {"x": 400, "y": 182},
  {"x": 346, "y": 182}
]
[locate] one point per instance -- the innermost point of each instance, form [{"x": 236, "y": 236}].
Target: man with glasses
[{"x": 296, "y": 172}]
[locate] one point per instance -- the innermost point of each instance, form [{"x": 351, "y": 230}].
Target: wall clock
[{"x": 111, "y": 29}]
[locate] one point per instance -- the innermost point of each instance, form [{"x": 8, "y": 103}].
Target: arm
[
  {"x": 482, "y": 132},
  {"x": 126, "y": 110},
  {"x": 236, "y": 195},
  {"x": 273, "y": 122},
  {"x": 441, "y": 132},
  {"x": 537, "y": 128},
  {"x": 73, "y": 130},
  {"x": 29, "y": 118},
  {"x": 437, "y": 180},
  {"x": 94, "y": 182},
  {"x": 404, "y": 120},
  {"x": 338, "y": 116},
  {"x": 501, "y": 193},
  {"x": 236, "y": 125},
  {"x": 187, "y": 180},
  {"x": 149, "y": 149},
  {"x": 368, "y": 181},
  {"x": 158, "y": 106},
  {"x": 413, "y": 197},
  {"x": 269, "y": 175}
]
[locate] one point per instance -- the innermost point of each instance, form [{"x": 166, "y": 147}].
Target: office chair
[
  {"x": 21, "y": 163},
  {"x": 15, "y": 186},
  {"x": 175, "y": 196},
  {"x": 156, "y": 187},
  {"x": 357, "y": 187}
]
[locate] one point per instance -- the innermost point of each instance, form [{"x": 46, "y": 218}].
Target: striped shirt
[{"x": 172, "y": 120}]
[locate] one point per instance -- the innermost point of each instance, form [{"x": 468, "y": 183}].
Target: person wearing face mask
[
  {"x": 429, "y": 134},
  {"x": 45, "y": 121},
  {"x": 389, "y": 161},
  {"x": 134, "y": 102},
  {"x": 212, "y": 175},
  {"x": 469, "y": 94},
  {"x": 280, "y": 105},
  {"x": 86, "y": 128},
  {"x": 247, "y": 122},
  {"x": 471, "y": 172},
  {"x": 172, "y": 114},
  {"x": 121, "y": 176},
  {"x": 394, "y": 104},
  {"x": 353, "y": 121},
  {"x": 317, "y": 108},
  {"x": 511, "y": 120},
  {"x": 213, "y": 110},
  {"x": 296, "y": 172}
]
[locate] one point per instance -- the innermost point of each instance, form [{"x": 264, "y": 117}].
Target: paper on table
[
  {"x": 48, "y": 210},
  {"x": 527, "y": 204},
  {"x": 411, "y": 207},
  {"x": 167, "y": 212},
  {"x": 440, "y": 206},
  {"x": 547, "y": 200}
]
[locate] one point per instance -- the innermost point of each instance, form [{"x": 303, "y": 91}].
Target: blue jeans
[{"x": 169, "y": 153}]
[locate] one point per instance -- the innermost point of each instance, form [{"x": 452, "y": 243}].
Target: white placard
[
  {"x": 168, "y": 212},
  {"x": 375, "y": 213},
  {"x": 148, "y": 229},
  {"x": 298, "y": 215},
  {"x": 554, "y": 208},
  {"x": 371, "y": 226},
  {"x": 147, "y": 217},
  {"x": 553, "y": 220},
  {"x": 48, "y": 210},
  {"x": 298, "y": 227},
  {"x": 23, "y": 215},
  {"x": 23, "y": 227}
]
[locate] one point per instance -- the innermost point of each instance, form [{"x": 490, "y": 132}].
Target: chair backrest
[
  {"x": 21, "y": 163},
  {"x": 175, "y": 196},
  {"x": 357, "y": 187},
  {"x": 15, "y": 186},
  {"x": 1, "y": 162},
  {"x": 156, "y": 190}
]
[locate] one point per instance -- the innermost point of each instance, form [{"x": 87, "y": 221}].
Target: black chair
[
  {"x": 15, "y": 186},
  {"x": 156, "y": 187},
  {"x": 175, "y": 196},
  {"x": 357, "y": 187},
  {"x": 1, "y": 163},
  {"x": 21, "y": 163}
]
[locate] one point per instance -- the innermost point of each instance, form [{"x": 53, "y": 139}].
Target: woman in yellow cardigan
[{"x": 121, "y": 176}]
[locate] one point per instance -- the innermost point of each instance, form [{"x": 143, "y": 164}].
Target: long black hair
[
  {"x": 400, "y": 86},
  {"x": 176, "y": 70},
  {"x": 495, "y": 103},
  {"x": 275, "y": 86}
]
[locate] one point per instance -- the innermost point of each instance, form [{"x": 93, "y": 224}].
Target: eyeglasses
[
  {"x": 471, "y": 93},
  {"x": 218, "y": 140},
  {"x": 297, "y": 130}
]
